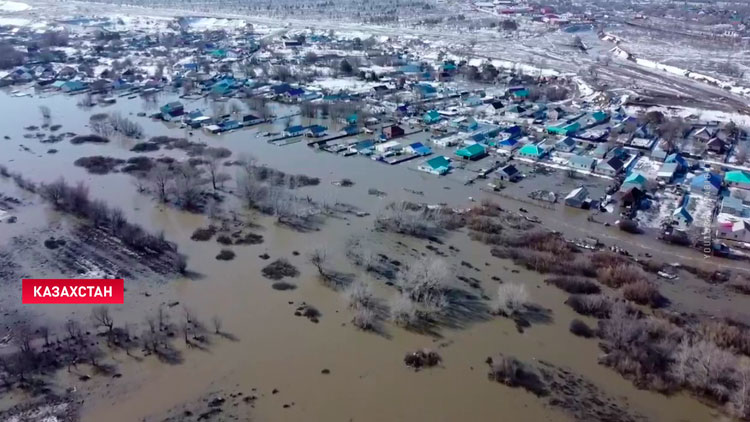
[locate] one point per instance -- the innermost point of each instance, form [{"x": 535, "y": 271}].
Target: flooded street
[{"x": 275, "y": 349}]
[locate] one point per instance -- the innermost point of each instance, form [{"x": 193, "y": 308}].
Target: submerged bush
[
  {"x": 574, "y": 285},
  {"x": 581, "y": 329}
]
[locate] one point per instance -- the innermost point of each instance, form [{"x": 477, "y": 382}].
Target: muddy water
[{"x": 278, "y": 350}]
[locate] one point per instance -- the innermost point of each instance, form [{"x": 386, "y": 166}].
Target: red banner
[{"x": 73, "y": 290}]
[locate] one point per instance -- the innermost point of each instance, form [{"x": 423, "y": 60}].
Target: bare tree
[
  {"x": 102, "y": 318},
  {"x": 217, "y": 323},
  {"x": 426, "y": 282},
  {"x": 159, "y": 177},
  {"x": 46, "y": 112}
]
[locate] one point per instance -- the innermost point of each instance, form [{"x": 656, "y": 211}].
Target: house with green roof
[
  {"x": 472, "y": 152},
  {"x": 438, "y": 166},
  {"x": 431, "y": 117},
  {"x": 737, "y": 179},
  {"x": 564, "y": 129},
  {"x": 533, "y": 151}
]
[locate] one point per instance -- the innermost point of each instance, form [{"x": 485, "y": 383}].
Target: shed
[{"x": 577, "y": 198}]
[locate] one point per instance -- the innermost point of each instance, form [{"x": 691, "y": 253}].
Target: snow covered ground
[{"x": 13, "y": 6}]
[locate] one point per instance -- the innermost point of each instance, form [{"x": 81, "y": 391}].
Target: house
[
  {"x": 667, "y": 172},
  {"x": 281, "y": 88},
  {"x": 635, "y": 179},
  {"x": 579, "y": 162},
  {"x": 737, "y": 178},
  {"x": 431, "y": 117},
  {"x": 393, "y": 132},
  {"x": 250, "y": 119},
  {"x": 733, "y": 206},
  {"x": 564, "y": 129},
  {"x": 388, "y": 146},
  {"x": 658, "y": 153},
  {"x": 418, "y": 148},
  {"x": 682, "y": 217},
  {"x": 716, "y": 145},
  {"x": 228, "y": 125},
  {"x": 532, "y": 151},
  {"x": 296, "y": 130},
  {"x": 439, "y": 165},
  {"x": 508, "y": 173},
  {"x": 566, "y": 144},
  {"x": 73, "y": 86},
  {"x": 597, "y": 117},
  {"x": 611, "y": 167},
  {"x": 734, "y": 229},
  {"x": 316, "y": 131},
  {"x": 577, "y": 198},
  {"x": 600, "y": 151},
  {"x": 682, "y": 164},
  {"x": 508, "y": 145},
  {"x": 465, "y": 124},
  {"x": 425, "y": 90},
  {"x": 708, "y": 184},
  {"x": 172, "y": 110},
  {"x": 364, "y": 147},
  {"x": 223, "y": 87},
  {"x": 212, "y": 129},
  {"x": 472, "y": 152}
]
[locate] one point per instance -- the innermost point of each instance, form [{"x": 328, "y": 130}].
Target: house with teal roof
[
  {"x": 737, "y": 179},
  {"x": 472, "y": 152},
  {"x": 635, "y": 179},
  {"x": 431, "y": 117},
  {"x": 564, "y": 129},
  {"x": 438, "y": 166},
  {"x": 533, "y": 151},
  {"x": 223, "y": 87}
]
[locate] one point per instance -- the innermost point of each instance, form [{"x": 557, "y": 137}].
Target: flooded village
[{"x": 370, "y": 220}]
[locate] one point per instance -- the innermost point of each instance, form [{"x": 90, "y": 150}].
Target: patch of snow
[{"x": 13, "y": 6}]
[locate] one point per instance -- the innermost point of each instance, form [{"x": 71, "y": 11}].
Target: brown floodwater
[{"x": 275, "y": 349}]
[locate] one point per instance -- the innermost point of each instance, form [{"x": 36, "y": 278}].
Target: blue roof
[
  {"x": 423, "y": 150},
  {"x": 702, "y": 179},
  {"x": 317, "y": 128},
  {"x": 682, "y": 211},
  {"x": 296, "y": 91},
  {"x": 478, "y": 137},
  {"x": 416, "y": 145},
  {"x": 280, "y": 89},
  {"x": 676, "y": 158},
  {"x": 367, "y": 143},
  {"x": 297, "y": 128},
  {"x": 509, "y": 142}
]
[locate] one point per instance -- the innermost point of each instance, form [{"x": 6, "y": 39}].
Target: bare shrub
[
  {"x": 643, "y": 293},
  {"x": 581, "y": 329},
  {"x": 279, "y": 269},
  {"x": 359, "y": 295},
  {"x": 597, "y": 306},
  {"x": 514, "y": 373},
  {"x": 727, "y": 335},
  {"x": 621, "y": 274},
  {"x": 403, "y": 311},
  {"x": 574, "y": 285},
  {"x": 225, "y": 255},
  {"x": 424, "y": 358},
  {"x": 704, "y": 368},
  {"x": 364, "y": 319},
  {"x": 511, "y": 298}
]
